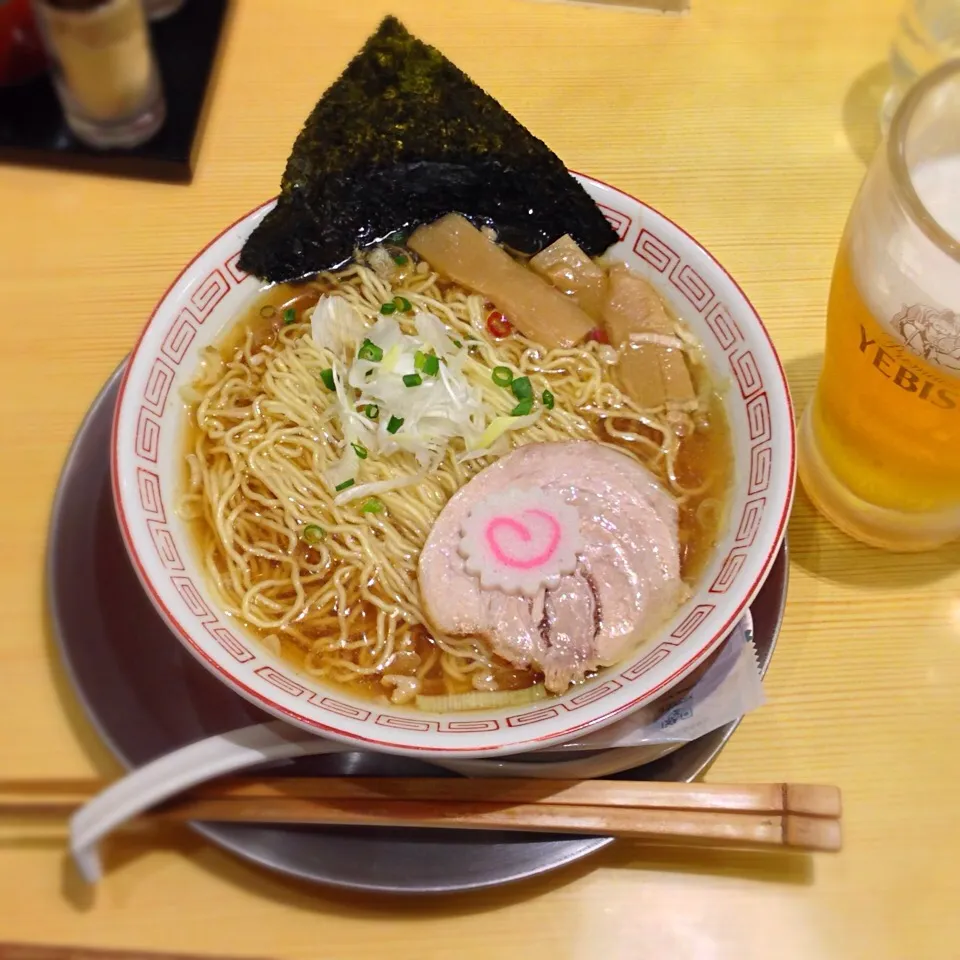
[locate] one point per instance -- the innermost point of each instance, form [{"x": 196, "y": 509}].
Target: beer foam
[
  {"x": 895, "y": 265},
  {"x": 937, "y": 183}
]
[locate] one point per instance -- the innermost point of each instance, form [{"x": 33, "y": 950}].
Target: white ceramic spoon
[{"x": 176, "y": 772}]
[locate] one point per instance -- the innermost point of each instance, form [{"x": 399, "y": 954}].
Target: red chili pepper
[
  {"x": 498, "y": 325},
  {"x": 599, "y": 335}
]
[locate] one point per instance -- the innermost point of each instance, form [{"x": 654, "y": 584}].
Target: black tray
[{"x": 34, "y": 131}]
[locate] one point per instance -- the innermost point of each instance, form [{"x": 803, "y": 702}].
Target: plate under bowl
[{"x": 146, "y": 696}]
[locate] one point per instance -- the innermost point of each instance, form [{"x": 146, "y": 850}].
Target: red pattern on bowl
[{"x": 207, "y": 297}]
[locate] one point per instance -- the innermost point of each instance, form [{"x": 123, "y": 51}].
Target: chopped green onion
[
  {"x": 373, "y": 505},
  {"x": 412, "y": 379},
  {"x": 372, "y": 411},
  {"x": 289, "y": 316},
  {"x": 395, "y": 424},
  {"x": 370, "y": 351},
  {"x": 548, "y": 399},
  {"x": 400, "y": 260},
  {"x": 313, "y": 533},
  {"x": 360, "y": 450},
  {"x": 402, "y": 304},
  {"x": 502, "y": 376},
  {"x": 427, "y": 363},
  {"x": 388, "y": 308},
  {"x": 345, "y": 485},
  {"x": 457, "y": 344},
  {"x": 521, "y": 388},
  {"x": 522, "y": 408},
  {"x": 327, "y": 377}
]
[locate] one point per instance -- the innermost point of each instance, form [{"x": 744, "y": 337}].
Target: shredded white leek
[
  {"x": 335, "y": 325},
  {"x": 435, "y": 409},
  {"x": 377, "y": 486},
  {"x": 499, "y": 426}
]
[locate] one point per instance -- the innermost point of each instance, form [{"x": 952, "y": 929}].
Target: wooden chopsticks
[{"x": 787, "y": 816}]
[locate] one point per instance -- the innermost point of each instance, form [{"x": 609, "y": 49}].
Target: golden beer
[{"x": 880, "y": 443}]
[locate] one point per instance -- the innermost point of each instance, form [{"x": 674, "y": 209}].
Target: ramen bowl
[{"x": 148, "y": 467}]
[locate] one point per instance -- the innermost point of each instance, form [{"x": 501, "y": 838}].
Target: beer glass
[{"x": 880, "y": 443}]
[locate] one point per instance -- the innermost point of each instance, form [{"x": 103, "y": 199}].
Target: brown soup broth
[{"x": 704, "y": 460}]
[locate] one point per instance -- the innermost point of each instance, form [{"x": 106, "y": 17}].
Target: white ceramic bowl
[{"x": 147, "y": 455}]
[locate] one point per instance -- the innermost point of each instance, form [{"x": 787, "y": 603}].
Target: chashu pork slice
[{"x": 627, "y": 578}]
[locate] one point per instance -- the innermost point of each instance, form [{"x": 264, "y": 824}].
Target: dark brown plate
[{"x": 146, "y": 696}]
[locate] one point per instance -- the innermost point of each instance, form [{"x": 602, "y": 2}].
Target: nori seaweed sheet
[{"x": 400, "y": 139}]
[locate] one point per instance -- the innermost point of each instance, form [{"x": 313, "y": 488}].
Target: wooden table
[{"x": 747, "y": 122}]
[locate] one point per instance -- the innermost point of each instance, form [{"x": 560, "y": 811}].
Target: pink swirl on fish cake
[
  {"x": 524, "y": 534},
  {"x": 521, "y": 540}
]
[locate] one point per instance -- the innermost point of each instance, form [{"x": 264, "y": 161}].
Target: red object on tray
[{"x": 21, "y": 49}]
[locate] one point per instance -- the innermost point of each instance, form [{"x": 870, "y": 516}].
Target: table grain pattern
[{"x": 747, "y": 122}]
